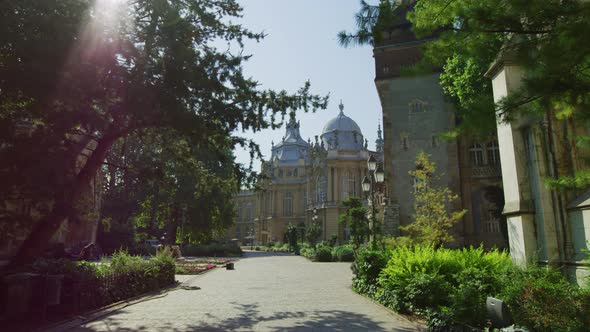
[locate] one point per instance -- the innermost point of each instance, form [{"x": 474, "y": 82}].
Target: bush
[
  {"x": 308, "y": 253},
  {"x": 453, "y": 281},
  {"x": 368, "y": 264},
  {"x": 323, "y": 254},
  {"x": 89, "y": 286},
  {"x": 343, "y": 254},
  {"x": 542, "y": 299},
  {"x": 450, "y": 287}
]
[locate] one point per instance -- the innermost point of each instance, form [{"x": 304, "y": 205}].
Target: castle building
[
  {"x": 305, "y": 179},
  {"x": 415, "y": 114}
]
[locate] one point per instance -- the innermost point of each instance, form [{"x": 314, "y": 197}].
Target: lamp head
[
  {"x": 366, "y": 184},
  {"x": 372, "y": 163},
  {"x": 379, "y": 174}
]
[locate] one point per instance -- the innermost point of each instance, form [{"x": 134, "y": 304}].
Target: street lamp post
[{"x": 375, "y": 175}]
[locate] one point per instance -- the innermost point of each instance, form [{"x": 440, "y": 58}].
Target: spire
[
  {"x": 292, "y": 134},
  {"x": 379, "y": 140},
  {"x": 341, "y": 107}
]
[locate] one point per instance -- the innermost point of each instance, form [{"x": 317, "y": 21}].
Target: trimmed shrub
[
  {"x": 213, "y": 249},
  {"x": 89, "y": 286},
  {"x": 323, "y": 254},
  {"x": 343, "y": 254}
]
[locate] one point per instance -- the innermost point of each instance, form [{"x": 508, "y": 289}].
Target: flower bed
[{"x": 200, "y": 265}]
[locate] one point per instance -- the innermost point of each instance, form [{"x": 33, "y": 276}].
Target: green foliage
[
  {"x": 541, "y": 299},
  {"x": 366, "y": 268},
  {"x": 332, "y": 240},
  {"x": 213, "y": 249},
  {"x": 344, "y": 253},
  {"x": 313, "y": 232},
  {"x": 147, "y": 69},
  {"x": 323, "y": 254},
  {"x": 308, "y": 253},
  {"x": 450, "y": 287},
  {"x": 291, "y": 236},
  {"x": 433, "y": 218},
  {"x": 355, "y": 218},
  {"x": 125, "y": 276}
]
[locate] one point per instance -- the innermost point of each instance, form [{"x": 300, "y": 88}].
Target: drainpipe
[{"x": 556, "y": 201}]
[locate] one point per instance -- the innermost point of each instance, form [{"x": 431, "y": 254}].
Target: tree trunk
[{"x": 44, "y": 229}]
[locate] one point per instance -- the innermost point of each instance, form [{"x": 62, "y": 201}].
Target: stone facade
[
  {"x": 415, "y": 114},
  {"x": 303, "y": 178},
  {"x": 550, "y": 226}
]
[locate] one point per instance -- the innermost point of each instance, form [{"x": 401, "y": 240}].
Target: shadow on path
[
  {"x": 255, "y": 254},
  {"x": 320, "y": 320}
]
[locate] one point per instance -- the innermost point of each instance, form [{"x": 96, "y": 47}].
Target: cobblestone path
[{"x": 265, "y": 292}]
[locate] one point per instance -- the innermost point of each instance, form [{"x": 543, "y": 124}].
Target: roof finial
[{"x": 341, "y": 107}]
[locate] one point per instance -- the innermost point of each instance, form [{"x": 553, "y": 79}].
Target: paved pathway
[{"x": 265, "y": 292}]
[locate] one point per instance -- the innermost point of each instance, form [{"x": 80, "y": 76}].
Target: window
[
  {"x": 476, "y": 154},
  {"x": 304, "y": 200},
  {"x": 492, "y": 225},
  {"x": 280, "y": 173},
  {"x": 434, "y": 141},
  {"x": 240, "y": 212},
  {"x": 405, "y": 142},
  {"x": 248, "y": 211},
  {"x": 348, "y": 185},
  {"x": 321, "y": 189},
  {"x": 288, "y": 204},
  {"x": 295, "y": 172},
  {"x": 417, "y": 106},
  {"x": 493, "y": 153}
]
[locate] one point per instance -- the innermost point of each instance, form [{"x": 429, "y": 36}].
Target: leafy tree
[
  {"x": 433, "y": 217},
  {"x": 355, "y": 217},
  {"x": 167, "y": 181},
  {"x": 104, "y": 70}
]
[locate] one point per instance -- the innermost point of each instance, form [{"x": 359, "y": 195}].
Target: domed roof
[
  {"x": 342, "y": 133},
  {"x": 341, "y": 123}
]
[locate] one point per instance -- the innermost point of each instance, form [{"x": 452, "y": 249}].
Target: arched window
[
  {"x": 288, "y": 204},
  {"x": 476, "y": 154},
  {"x": 493, "y": 153}
]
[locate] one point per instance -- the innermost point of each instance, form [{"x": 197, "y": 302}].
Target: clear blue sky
[{"x": 302, "y": 45}]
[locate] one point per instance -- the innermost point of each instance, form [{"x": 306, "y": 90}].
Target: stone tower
[{"x": 414, "y": 114}]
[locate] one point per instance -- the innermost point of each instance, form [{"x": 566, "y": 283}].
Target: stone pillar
[{"x": 507, "y": 78}]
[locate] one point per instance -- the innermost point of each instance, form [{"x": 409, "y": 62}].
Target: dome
[
  {"x": 341, "y": 123},
  {"x": 342, "y": 133}
]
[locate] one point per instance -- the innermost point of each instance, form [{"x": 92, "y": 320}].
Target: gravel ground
[{"x": 265, "y": 292}]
